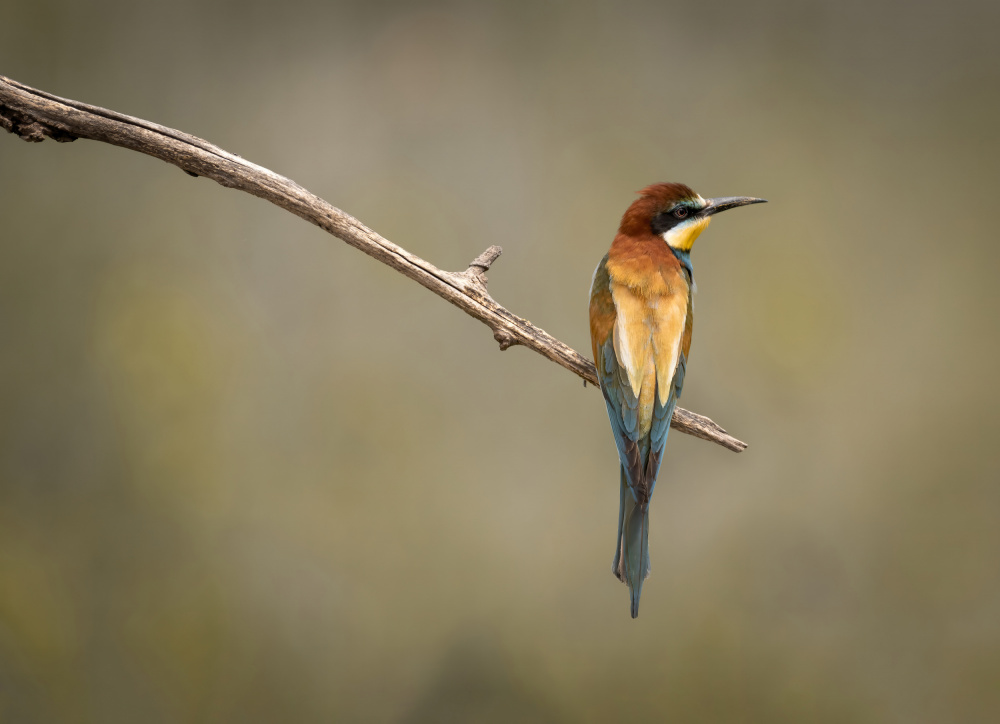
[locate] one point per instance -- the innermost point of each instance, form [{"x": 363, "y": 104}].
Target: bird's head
[{"x": 675, "y": 213}]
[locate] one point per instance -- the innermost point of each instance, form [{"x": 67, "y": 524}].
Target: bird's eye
[{"x": 680, "y": 212}]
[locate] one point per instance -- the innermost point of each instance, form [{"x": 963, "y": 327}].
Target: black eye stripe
[{"x": 666, "y": 220}]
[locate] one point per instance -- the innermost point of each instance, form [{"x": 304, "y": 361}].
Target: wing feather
[{"x": 640, "y": 348}]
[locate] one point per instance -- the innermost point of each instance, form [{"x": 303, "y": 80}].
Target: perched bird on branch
[{"x": 640, "y": 329}]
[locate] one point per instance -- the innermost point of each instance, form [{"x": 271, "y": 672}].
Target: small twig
[
  {"x": 35, "y": 115},
  {"x": 484, "y": 261}
]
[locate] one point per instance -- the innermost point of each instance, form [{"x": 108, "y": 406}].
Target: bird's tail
[{"x": 631, "y": 564}]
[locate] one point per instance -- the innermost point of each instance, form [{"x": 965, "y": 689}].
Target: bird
[{"x": 640, "y": 330}]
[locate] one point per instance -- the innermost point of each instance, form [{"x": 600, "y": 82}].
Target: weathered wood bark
[{"x": 35, "y": 115}]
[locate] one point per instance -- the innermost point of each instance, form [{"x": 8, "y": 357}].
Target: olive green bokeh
[{"x": 250, "y": 475}]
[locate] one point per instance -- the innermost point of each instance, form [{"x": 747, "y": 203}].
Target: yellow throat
[{"x": 682, "y": 236}]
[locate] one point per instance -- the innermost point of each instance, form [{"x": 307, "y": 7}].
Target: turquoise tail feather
[
  {"x": 621, "y": 515},
  {"x": 632, "y": 556}
]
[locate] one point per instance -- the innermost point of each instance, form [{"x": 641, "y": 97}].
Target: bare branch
[{"x": 35, "y": 115}]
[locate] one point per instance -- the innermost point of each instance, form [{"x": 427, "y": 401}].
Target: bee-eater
[{"x": 640, "y": 329}]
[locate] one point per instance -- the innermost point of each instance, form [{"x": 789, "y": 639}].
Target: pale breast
[{"x": 647, "y": 338}]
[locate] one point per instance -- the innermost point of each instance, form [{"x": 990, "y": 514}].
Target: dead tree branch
[{"x": 35, "y": 115}]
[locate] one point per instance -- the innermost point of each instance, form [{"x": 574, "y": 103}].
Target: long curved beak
[{"x": 729, "y": 202}]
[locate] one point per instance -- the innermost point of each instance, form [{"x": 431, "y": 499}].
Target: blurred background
[{"x": 248, "y": 474}]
